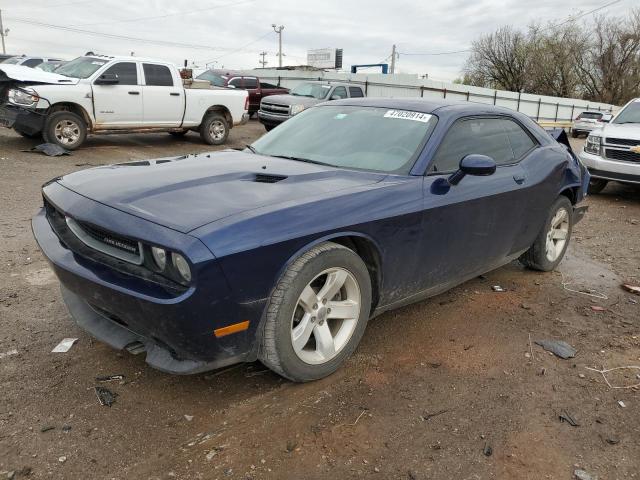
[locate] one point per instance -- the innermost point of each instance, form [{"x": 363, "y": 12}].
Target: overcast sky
[{"x": 233, "y": 32}]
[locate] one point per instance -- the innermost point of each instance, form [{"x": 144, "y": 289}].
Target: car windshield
[
  {"x": 12, "y": 60},
  {"x": 47, "y": 66},
  {"x": 590, "y": 116},
  {"x": 313, "y": 90},
  {"x": 364, "y": 138},
  {"x": 630, "y": 114},
  {"x": 81, "y": 67},
  {"x": 215, "y": 79}
]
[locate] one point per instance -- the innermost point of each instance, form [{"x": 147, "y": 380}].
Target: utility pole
[
  {"x": 393, "y": 60},
  {"x": 278, "y": 30},
  {"x": 3, "y": 33},
  {"x": 263, "y": 61}
]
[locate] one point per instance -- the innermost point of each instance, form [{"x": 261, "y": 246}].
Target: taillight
[{"x": 246, "y": 103}]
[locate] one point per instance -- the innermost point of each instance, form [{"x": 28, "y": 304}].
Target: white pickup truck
[
  {"x": 612, "y": 152},
  {"x": 101, "y": 94}
]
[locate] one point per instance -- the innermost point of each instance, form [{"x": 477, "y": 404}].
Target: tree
[{"x": 500, "y": 60}]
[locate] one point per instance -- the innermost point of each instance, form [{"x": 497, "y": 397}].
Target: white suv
[{"x": 612, "y": 152}]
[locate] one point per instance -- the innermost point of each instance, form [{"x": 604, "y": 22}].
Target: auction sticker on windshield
[{"x": 407, "y": 115}]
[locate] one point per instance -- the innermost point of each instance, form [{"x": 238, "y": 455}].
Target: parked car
[
  {"x": 279, "y": 108},
  {"x": 285, "y": 250},
  {"x": 51, "y": 65},
  {"x": 257, "y": 88},
  {"x": 100, "y": 94},
  {"x": 612, "y": 152},
  {"x": 587, "y": 122},
  {"x": 26, "y": 61}
]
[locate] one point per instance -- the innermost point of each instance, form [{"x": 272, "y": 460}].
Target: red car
[{"x": 257, "y": 89}]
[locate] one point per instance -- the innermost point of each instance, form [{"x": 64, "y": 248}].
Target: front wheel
[
  {"x": 551, "y": 243},
  {"x": 596, "y": 185},
  {"x": 317, "y": 313},
  {"x": 65, "y": 129},
  {"x": 214, "y": 129}
]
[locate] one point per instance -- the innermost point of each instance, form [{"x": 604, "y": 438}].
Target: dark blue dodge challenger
[{"x": 284, "y": 251}]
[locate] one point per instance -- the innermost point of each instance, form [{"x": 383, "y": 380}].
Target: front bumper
[
  {"x": 175, "y": 329},
  {"x": 270, "y": 119},
  {"x": 626, "y": 172},
  {"x": 23, "y": 119}
]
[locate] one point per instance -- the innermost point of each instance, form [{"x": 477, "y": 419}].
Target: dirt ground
[{"x": 449, "y": 388}]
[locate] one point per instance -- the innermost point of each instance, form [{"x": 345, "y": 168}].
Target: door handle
[
  {"x": 519, "y": 178},
  {"x": 174, "y": 94},
  {"x": 134, "y": 93}
]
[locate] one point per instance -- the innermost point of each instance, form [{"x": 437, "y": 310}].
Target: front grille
[
  {"x": 623, "y": 155},
  {"x": 622, "y": 141},
  {"x": 71, "y": 241},
  {"x": 108, "y": 238},
  {"x": 274, "y": 108}
]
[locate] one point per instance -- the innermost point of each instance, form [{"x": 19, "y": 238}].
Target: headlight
[
  {"x": 159, "y": 256},
  {"x": 24, "y": 98},
  {"x": 296, "y": 109},
  {"x": 181, "y": 266},
  {"x": 593, "y": 144}
]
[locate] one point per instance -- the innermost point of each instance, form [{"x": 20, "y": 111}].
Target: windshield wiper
[
  {"x": 251, "y": 148},
  {"x": 305, "y": 160}
]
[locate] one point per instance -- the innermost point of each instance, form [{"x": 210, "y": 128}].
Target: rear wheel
[
  {"x": 214, "y": 129},
  {"x": 574, "y": 133},
  {"x": 317, "y": 313},
  {"x": 65, "y": 129},
  {"x": 551, "y": 244},
  {"x": 596, "y": 185}
]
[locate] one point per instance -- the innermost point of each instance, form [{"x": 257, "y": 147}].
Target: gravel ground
[{"x": 449, "y": 388}]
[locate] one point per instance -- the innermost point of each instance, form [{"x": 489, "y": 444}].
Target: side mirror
[
  {"x": 606, "y": 118},
  {"x": 335, "y": 97},
  {"x": 107, "y": 79},
  {"x": 231, "y": 86},
  {"x": 477, "y": 165}
]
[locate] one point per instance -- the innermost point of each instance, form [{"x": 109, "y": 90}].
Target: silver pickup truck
[{"x": 276, "y": 109}]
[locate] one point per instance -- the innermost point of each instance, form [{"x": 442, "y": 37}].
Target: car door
[
  {"x": 472, "y": 227},
  {"x": 163, "y": 97},
  {"x": 120, "y": 104}
]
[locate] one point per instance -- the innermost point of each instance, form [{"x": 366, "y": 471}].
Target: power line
[
  {"x": 150, "y": 41},
  {"x": 140, "y": 19},
  {"x": 570, "y": 19}
]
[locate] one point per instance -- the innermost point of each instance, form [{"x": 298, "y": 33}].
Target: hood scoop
[{"x": 268, "y": 178}]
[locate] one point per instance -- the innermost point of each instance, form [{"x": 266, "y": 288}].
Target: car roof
[{"x": 424, "y": 105}]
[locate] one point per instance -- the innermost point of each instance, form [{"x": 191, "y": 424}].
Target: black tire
[
  {"x": 276, "y": 350},
  {"x": 596, "y": 185},
  {"x": 268, "y": 128},
  {"x": 209, "y": 123},
  {"x": 75, "y": 122},
  {"x": 574, "y": 133},
  {"x": 179, "y": 134},
  {"x": 536, "y": 257}
]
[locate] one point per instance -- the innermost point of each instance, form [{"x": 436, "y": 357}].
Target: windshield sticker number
[{"x": 406, "y": 115}]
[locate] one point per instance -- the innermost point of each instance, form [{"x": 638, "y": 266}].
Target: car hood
[
  {"x": 292, "y": 100},
  {"x": 629, "y": 131},
  {"x": 19, "y": 73},
  {"x": 184, "y": 193}
]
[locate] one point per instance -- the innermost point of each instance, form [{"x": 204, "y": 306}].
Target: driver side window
[
  {"x": 126, "y": 72},
  {"x": 479, "y": 135},
  {"x": 339, "y": 92}
]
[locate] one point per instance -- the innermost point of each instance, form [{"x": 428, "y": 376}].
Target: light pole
[
  {"x": 278, "y": 30},
  {"x": 3, "y": 33}
]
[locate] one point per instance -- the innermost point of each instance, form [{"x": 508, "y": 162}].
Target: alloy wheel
[
  {"x": 557, "y": 235},
  {"x": 325, "y": 316}
]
